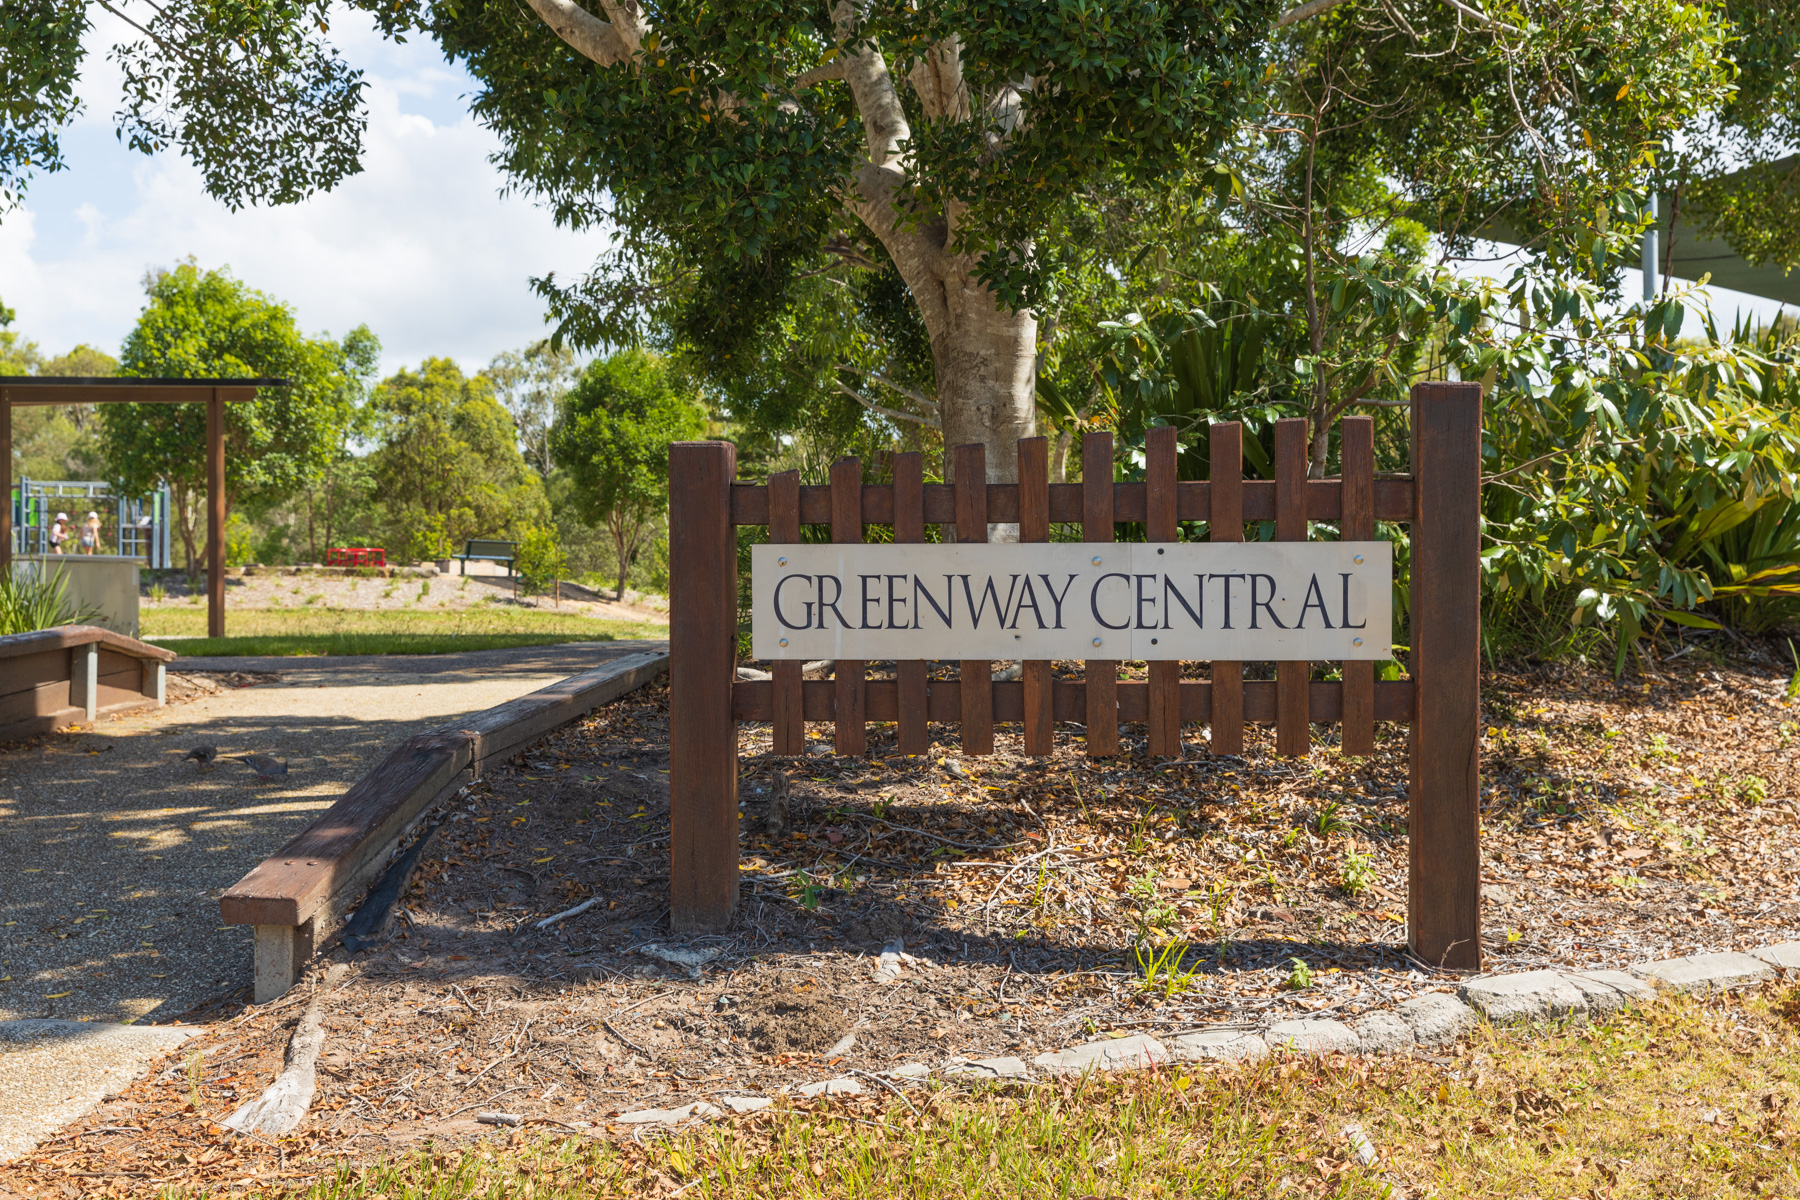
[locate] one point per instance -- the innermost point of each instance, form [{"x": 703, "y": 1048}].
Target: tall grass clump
[{"x": 30, "y": 601}]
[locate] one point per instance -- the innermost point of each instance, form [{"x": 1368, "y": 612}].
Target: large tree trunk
[{"x": 985, "y": 362}]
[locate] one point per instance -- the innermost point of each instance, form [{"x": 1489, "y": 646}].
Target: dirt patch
[
  {"x": 179, "y": 686},
  {"x": 790, "y": 1022}
]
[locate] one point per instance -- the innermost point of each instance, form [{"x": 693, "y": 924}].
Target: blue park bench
[{"x": 487, "y": 550}]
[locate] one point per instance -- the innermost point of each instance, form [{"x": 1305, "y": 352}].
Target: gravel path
[{"x": 113, "y": 851}]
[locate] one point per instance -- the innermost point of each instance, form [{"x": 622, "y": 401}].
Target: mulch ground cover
[{"x": 1039, "y": 903}]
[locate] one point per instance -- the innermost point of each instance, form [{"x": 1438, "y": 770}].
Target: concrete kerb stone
[
  {"x": 1786, "y": 955},
  {"x": 1383, "y": 1032},
  {"x": 843, "y": 1085},
  {"x": 700, "y": 1110},
  {"x": 1218, "y": 1045},
  {"x": 1526, "y": 996},
  {"x": 1115, "y": 1054},
  {"x": 1606, "y": 992},
  {"x": 1431, "y": 1019},
  {"x": 1436, "y": 1019},
  {"x": 1702, "y": 973},
  {"x": 1313, "y": 1035},
  {"x": 991, "y": 1068}
]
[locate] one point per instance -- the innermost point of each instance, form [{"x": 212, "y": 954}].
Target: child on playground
[
  {"x": 90, "y": 534},
  {"x": 59, "y": 533}
]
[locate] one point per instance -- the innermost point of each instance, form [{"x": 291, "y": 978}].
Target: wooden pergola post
[{"x": 215, "y": 515}]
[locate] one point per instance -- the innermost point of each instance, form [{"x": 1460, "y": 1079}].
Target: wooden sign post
[{"x": 1292, "y": 601}]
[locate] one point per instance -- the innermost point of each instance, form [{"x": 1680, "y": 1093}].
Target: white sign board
[{"x": 1246, "y": 601}]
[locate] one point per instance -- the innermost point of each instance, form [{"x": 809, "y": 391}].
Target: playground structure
[
  {"x": 215, "y": 394},
  {"x": 132, "y": 526}
]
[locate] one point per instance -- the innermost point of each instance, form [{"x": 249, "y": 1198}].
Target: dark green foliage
[
  {"x": 446, "y": 466},
  {"x": 613, "y": 443},
  {"x": 206, "y": 324},
  {"x": 40, "y": 56}
]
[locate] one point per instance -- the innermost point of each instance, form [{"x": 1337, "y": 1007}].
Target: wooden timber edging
[
  {"x": 53, "y": 678},
  {"x": 298, "y": 897}
]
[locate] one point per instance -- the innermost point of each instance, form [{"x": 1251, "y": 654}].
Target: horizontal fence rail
[
  {"x": 1193, "y": 502},
  {"x": 1439, "y": 699}
]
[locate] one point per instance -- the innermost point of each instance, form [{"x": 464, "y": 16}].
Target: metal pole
[{"x": 1650, "y": 240}]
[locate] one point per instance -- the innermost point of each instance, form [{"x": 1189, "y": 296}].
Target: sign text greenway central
[{"x": 1246, "y": 601}]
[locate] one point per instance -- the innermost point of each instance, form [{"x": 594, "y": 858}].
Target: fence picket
[
  {"x": 1160, "y": 525},
  {"x": 972, "y": 526},
  {"x": 1097, "y": 526},
  {"x": 784, "y": 528},
  {"x": 1039, "y": 717},
  {"x": 1226, "y": 524},
  {"x": 1356, "y": 453},
  {"x": 912, "y": 734},
  {"x": 848, "y": 674},
  {"x": 1292, "y": 733}
]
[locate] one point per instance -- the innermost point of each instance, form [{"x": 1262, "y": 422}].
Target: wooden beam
[
  {"x": 1098, "y": 516},
  {"x": 128, "y": 394},
  {"x": 1193, "y": 502},
  {"x": 753, "y": 700}
]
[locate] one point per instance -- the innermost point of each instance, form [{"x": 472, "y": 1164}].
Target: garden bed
[{"x": 1622, "y": 822}]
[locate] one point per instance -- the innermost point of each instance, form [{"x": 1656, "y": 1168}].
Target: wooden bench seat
[
  {"x": 299, "y": 897},
  {"x": 53, "y": 678}
]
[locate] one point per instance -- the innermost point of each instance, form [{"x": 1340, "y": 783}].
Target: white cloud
[{"x": 421, "y": 246}]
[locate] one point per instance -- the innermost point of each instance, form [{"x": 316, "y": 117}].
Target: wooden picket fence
[{"x": 1439, "y": 699}]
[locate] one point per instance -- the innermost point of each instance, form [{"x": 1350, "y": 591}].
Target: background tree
[
  {"x": 52, "y": 441},
  {"x": 446, "y": 466},
  {"x": 614, "y": 440},
  {"x": 531, "y": 384},
  {"x": 201, "y": 324}
]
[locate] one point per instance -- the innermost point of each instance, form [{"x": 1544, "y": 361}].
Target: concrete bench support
[
  {"x": 299, "y": 899},
  {"x": 155, "y": 682},
  {"x": 84, "y": 679},
  {"x": 282, "y": 952}
]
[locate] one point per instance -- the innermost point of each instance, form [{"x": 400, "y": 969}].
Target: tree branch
[
  {"x": 910, "y": 394},
  {"x": 585, "y": 33},
  {"x": 894, "y": 413},
  {"x": 821, "y": 73},
  {"x": 1312, "y": 8},
  {"x": 1302, "y": 12}
]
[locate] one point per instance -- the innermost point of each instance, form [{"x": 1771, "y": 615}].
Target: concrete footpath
[{"x": 113, "y": 851}]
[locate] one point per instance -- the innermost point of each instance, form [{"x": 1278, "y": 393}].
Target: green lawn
[
  {"x": 1690, "y": 1098},
  {"x": 290, "y": 631}
]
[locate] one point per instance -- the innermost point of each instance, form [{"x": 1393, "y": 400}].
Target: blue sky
[{"x": 420, "y": 246}]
